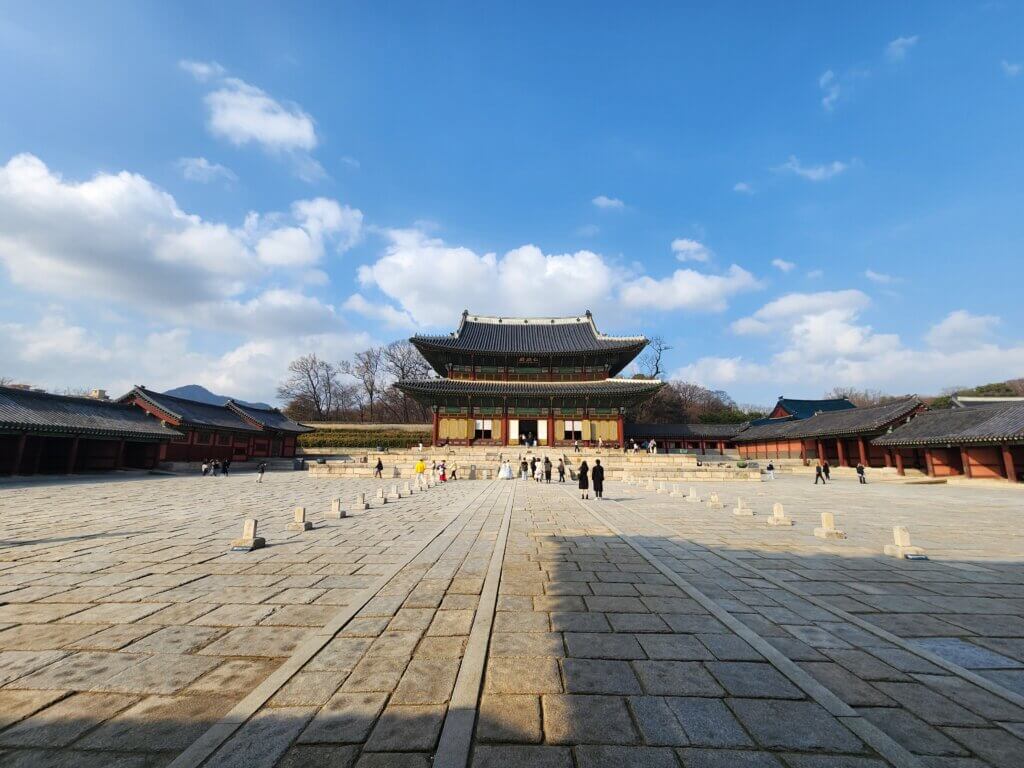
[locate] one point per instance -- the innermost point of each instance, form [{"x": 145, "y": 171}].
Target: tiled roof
[
  {"x": 529, "y": 336},
  {"x": 193, "y": 413},
  {"x": 271, "y": 418},
  {"x": 804, "y": 409},
  {"x": 442, "y": 387},
  {"x": 979, "y": 424},
  {"x": 61, "y": 414},
  {"x": 846, "y": 421},
  {"x": 684, "y": 431}
]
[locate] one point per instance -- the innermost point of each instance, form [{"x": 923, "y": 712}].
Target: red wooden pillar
[
  {"x": 551, "y": 428},
  {"x": 39, "y": 455},
  {"x": 929, "y": 466},
  {"x": 841, "y": 452},
  {"x": 435, "y": 429},
  {"x": 899, "y": 463},
  {"x": 622, "y": 430},
  {"x": 862, "y": 449},
  {"x": 888, "y": 457},
  {"x": 119, "y": 461},
  {"x": 965, "y": 459},
  {"x": 702, "y": 446},
  {"x": 73, "y": 455},
  {"x": 504, "y": 428},
  {"x": 821, "y": 451},
  {"x": 1011, "y": 470},
  {"x": 19, "y": 452},
  {"x": 721, "y": 448},
  {"x": 803, "y": 450}
]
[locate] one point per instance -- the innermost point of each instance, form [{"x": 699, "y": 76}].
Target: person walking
[
  {"x": 547, "y": 470},
  {"x": 226, "y": 466},
  {"x": 455, "y": 469},
  {"x": 420, "y": 467},
  {"x": 860, "y": 474},
  {"x": 538, "y": 474},
  {"x": 771, "y": 471},
  {"x": 561, "y": 471},
  {"x": 260, "y": 470},
  {"x": 206, "y": 467},
  {"x": 819, "y": 475},
  {"x": 378, "y": 470},
  {"x": 575, "y": 446},
  {"x": 597, "y": 474},
  {"x": 533, "y": 467},
  {"x": 584, "y": 483},
  {"x": 826, "y": 469},
  {"x": 524, "y": 469},
  {"x": 216, "y": 467}
]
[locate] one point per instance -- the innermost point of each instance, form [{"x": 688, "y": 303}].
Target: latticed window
[
  {"x": 573, "y": 430},
  {"x": 484, "y": 429}
]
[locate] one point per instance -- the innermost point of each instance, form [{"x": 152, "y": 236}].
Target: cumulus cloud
[
  {"x": 121, "y": 239},
  {"x": 201, "y": 170},
  {"x": 783, "y": 265},
  {"x": 744, "y": 187},
  {"x": 687, "y": 289},
  {"x": 829, "y": 85},
  {"x": 431, "y": 280},
  {"x": 897, "y": 49},
  {"x": 608, "y": 203},
  {"x": 879, "y": 277},
  {"x": 686, "y": 249},
  {"x": 821, "y": 172},
  {"x": 820, "y": 342},
  {"x": 202, "y": 70},
  {"x": 1011, "y": 68},
  {"x": 381, "y": 313}
]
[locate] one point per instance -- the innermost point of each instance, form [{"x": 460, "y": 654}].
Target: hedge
[{"x": 362, "y": 438}]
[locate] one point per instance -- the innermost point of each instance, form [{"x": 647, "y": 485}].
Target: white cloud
[
  {"x": 791, "y": 308},
  {"x": 203, "y": 171},
  {"x": 242, "y": 113},
  {"x": 829, "y": 85},
  {"x": 687, "y": 289},
  {"x": 608, "y": 203},
  {"x": 686, "y": 249},
  {"x": 350, "y": 161},
  {"x": 202, "y": 70},
  {"x": 814, "y": 274},
  {"x": 961, "y": 330},
  {"x": 744, "y": 187},
  {"x": 383, "y": 313},
  {"x": 782, "y": 264},
  {"x": 433, "y": 281},
  {"x": 897, "y": 49},
  {"x": 1011, "y": 68},
  {"x": 879, "y": 277},
  {"x": 588, "y": 230},
  {"x": 821, "y": 172}
]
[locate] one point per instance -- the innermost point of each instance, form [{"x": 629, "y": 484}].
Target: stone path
[{"x": 506, "y": 623}]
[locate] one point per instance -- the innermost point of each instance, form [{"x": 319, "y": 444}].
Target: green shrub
[
  {"x": 363, "y": 438},
  {"x": 741, "y": 464}
]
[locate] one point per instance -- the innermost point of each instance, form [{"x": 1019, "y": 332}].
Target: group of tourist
[
  {"x": 541, "y": 470},
  {"x": 823, "y": 472},
  {"x": 439, "y": 471},
  {"x": 216, "y": 467},
  {"x": 596, "y": 475}
]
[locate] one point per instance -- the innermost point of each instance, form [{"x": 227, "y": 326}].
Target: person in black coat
[
  {"x": 582, "y": 472},
  {"x": 598, "y": 476}
]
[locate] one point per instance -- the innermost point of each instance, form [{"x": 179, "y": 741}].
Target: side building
[
  {"x": 42, "y": 433},
  {"x": 208, "y": 431},
  {"x": 516, "y": 380}
]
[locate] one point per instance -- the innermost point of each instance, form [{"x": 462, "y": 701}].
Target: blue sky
[{"x": 795, "y": 197}]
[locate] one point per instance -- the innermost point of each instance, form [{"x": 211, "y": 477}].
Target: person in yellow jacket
[{"x": 420, "y": 467}]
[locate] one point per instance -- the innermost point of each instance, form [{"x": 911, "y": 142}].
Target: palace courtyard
[{"x": 507, "y": 623}]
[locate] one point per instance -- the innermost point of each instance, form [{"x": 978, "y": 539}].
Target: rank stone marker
[
  {"x": 408, "y": 489},
  {"x": 901, "y": 546},
  {"x": 662, "y": 487},
  {"x": 381, "y": 497},
  {"x": 714, "y": 502},
  {"x": 693, "y": 498},
  {"x": 337, "y": 513},
  {"x": 675, "y": 490},
  {"x": 300, "y": 523},
  {"x": 361, "y": 501},
  {"x": 741, "y": 510},
  {"x": 828, "y": 528},
  {"x": 249, "y": 540},
  {"x": 394, "y": 494},
  {"x": 779, "y": 516}
]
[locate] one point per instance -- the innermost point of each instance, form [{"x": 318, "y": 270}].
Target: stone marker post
[
  {"x": 381, "y": 497},
  {"x": 778, "y": 517},
  {"x": 361, "y": 501},
  {"x": 300, "y": 523},
  {"x": 714, "y": 502},
  {"x": 741, "y": 510},
  {"x": 337, "y": 513},
  {"x": 901, "y": 546},
  {"x": 828, "y": 528},
  {"x": 693, "y": 497},
  {"x": 249, "y": 540}
]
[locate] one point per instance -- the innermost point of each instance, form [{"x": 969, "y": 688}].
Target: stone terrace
[{"x": 507, "y": 623}]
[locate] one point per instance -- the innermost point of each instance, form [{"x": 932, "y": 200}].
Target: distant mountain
[{"x": 203, "y": 395}]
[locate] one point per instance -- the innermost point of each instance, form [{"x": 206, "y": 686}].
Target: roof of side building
[
  {"x": 194, "y": 413},
  {"x": 28, "y": 410},
  {"x": 271, "y": 418},
  {"x": 979, "y": 424}
]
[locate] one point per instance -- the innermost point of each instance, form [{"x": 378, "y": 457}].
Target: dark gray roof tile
[{"x": 61, "y": 414}]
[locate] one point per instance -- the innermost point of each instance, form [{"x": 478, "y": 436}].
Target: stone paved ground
[{"x": 506, "y": 624}]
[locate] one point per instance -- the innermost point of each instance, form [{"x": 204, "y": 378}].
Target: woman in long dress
[{"x": 583, "y": 473}]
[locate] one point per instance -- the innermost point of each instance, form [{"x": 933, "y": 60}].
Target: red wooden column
[
  {"x": 19, "y": 452},
  {"x": 965, "y": 458},
  {"x": 888, "y": 457},
  {"x": 862, "y": 449},
  {"x": 119, "y": 461},
  {"x": 435, "y": 429},
  {"x": 929, "y": 466},
  {"x": 821, "y": 452},
  {"x": 841, "y": 452},
  {"x": 1011, "y": 470},
  {"x": 702, "y": 445},
  {"x": 899, "y": 463},
  {"x": 73, "y": 455},
  {"x": 721, "y": 448},
  {"x": 504, "y": 428},
  {"x": 551, "y": 428}
]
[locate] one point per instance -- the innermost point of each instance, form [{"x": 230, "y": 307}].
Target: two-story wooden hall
[{"x": 517, "y": 380}]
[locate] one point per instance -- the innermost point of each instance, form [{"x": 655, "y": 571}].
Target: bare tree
[
  {"x": 367, "y": 368},
  {"x": 651, "y": 361},
  {"x": 861, "y": 397},
  {"x": 311, "y": 386},
  {"x": 401, "y": 360}
]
